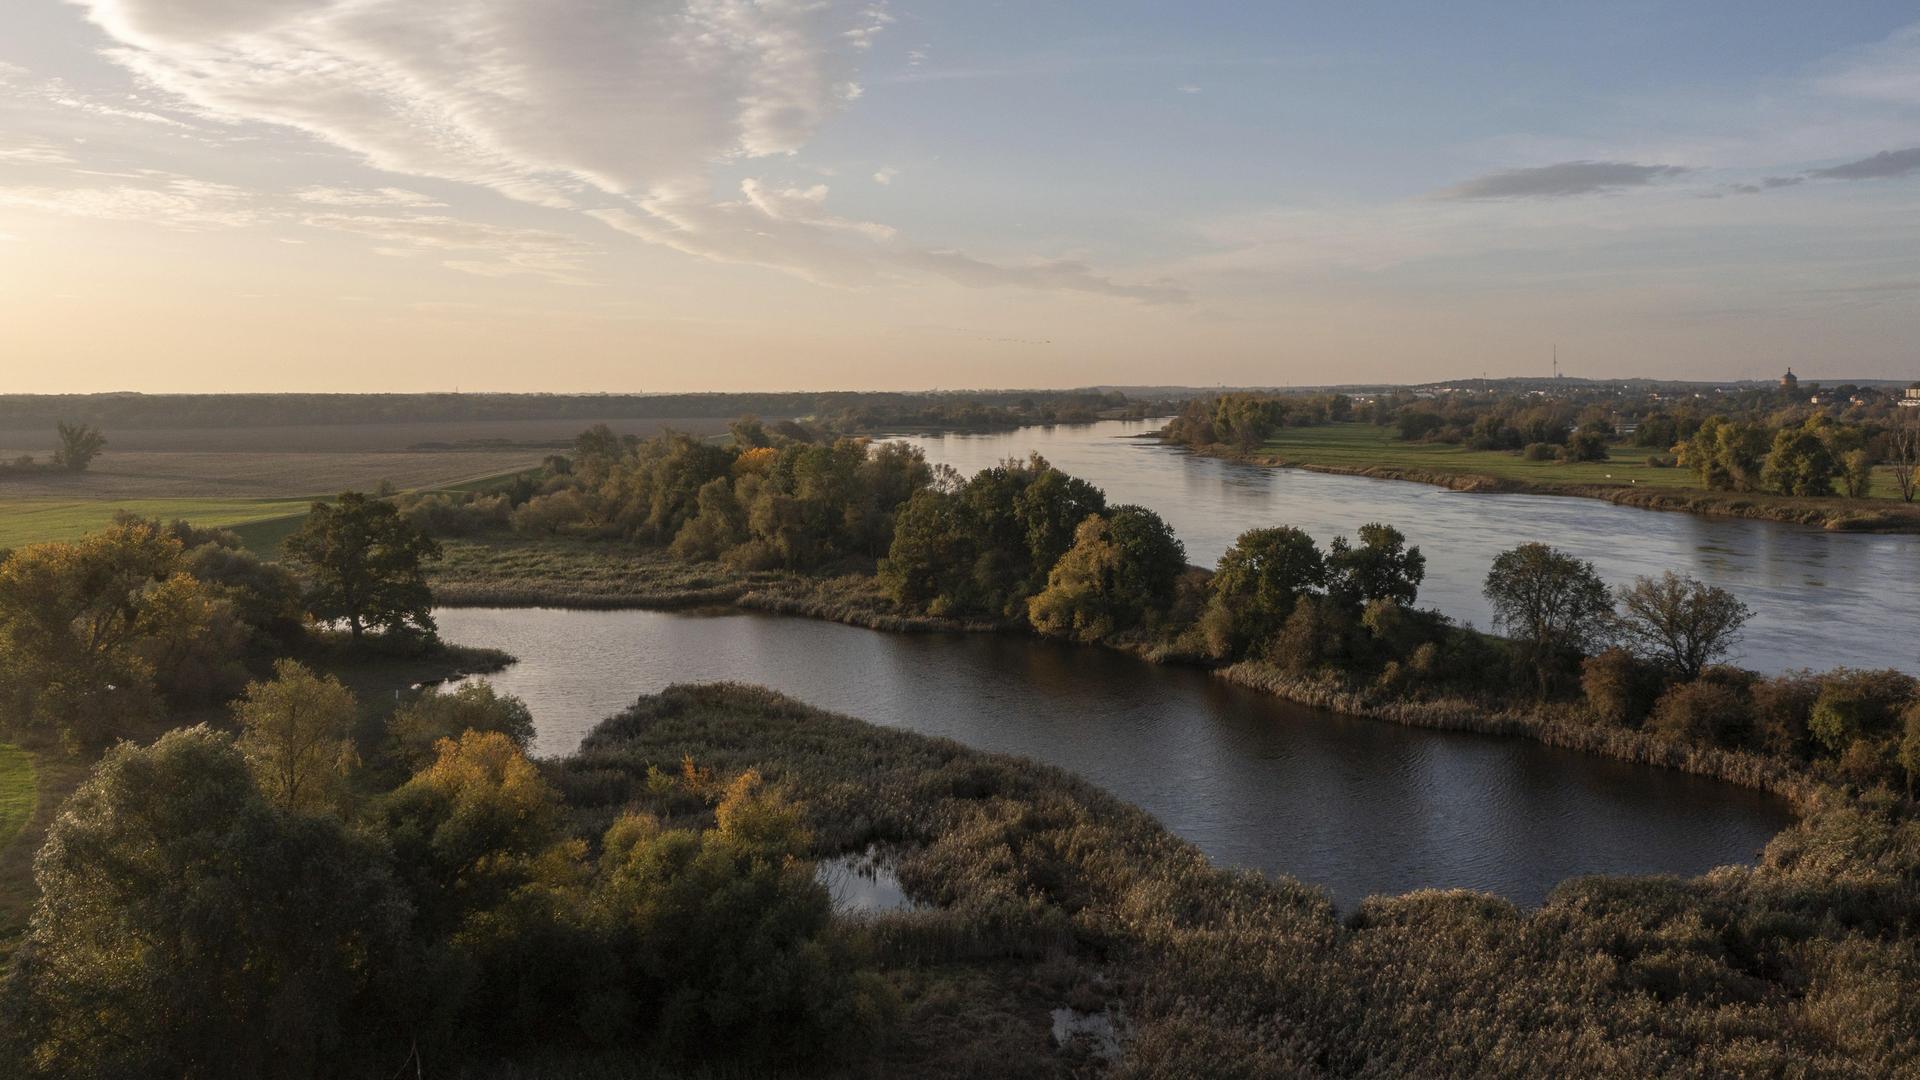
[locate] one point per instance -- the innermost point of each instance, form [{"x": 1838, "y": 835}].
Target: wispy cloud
[
  {"x": 1568, "y": 178},
  {"x": 178, "y": 204},
  {"x": 367, "y": 197},
  {"x": 1885, "y": 165},
  {"x": 624, "y": 111}
]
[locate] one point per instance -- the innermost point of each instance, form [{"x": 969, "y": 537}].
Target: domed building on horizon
[{"x": 1789, "y": 381}]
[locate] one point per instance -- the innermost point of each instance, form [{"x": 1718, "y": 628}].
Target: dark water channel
[{"x": 1357, "y": 806}]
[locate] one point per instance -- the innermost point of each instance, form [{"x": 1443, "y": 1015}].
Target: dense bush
[{"x": 1619, "y": 687}]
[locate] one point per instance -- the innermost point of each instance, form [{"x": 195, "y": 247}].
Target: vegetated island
[{"x": 1849, "y": 460}]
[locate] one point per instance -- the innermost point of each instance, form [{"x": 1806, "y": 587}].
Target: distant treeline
[{"x": 939, "y": 408}]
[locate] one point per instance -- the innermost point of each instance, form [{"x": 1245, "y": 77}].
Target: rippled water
[
  {"x": 1820, "y": 599},
  {"x": 1355, "y": 805}
]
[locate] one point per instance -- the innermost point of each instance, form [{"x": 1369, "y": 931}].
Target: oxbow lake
[{"x": 1359, "y": 807}]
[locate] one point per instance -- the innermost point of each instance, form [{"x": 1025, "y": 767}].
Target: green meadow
[{"x": 1365, "y": 446}]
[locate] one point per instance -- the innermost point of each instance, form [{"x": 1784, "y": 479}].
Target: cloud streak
[
  {"x": 622, "y": 109},
  {"x": 1885, "y": 165},
  {"x": 1566, "y": 179}
]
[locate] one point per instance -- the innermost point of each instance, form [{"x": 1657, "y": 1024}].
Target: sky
[{"x": 671, "y": 195}]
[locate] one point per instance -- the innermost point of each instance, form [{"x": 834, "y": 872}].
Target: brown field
[
  {"x": 336, "y": 438},
  {"x": 261, "y": 474}
]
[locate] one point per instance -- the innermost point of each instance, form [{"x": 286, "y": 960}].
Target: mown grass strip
[{"x": 16, "y": 792}]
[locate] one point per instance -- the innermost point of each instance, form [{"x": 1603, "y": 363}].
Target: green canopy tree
[
  {"x": 82, "y": 625},
  {"x": 297, "y": 734},
  {"x": 1259, "y": 581},
  {"x": 364, "y": 566},
  {"x": 1553, "y": 603},
  {"x": 1380, "y": 567},
  {"x": 1123, "y": 566},
  {"x": 188, "y": 928}
]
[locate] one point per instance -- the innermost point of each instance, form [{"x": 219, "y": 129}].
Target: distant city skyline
[{"x": 576, "y": 195}]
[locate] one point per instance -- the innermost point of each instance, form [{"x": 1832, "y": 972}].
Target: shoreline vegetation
[
  {"x": 1834, "y": 515},
  {"x": 1037, "y": 891},
  {"x": 507, "y": 572}
]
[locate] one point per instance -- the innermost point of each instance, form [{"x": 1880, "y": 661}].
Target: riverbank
[
  {"x": 1038, "y": 891},
  {"x": 512, "y": 571},
  {"x": 1625, "y": 479}
]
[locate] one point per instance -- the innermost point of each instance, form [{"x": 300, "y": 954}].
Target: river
[
  {"x": 1358, "y": 806},
  {"x": 1820, "y": 599}
]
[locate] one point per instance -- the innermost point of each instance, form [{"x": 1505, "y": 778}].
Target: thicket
[{"x": 201, "y": 917}]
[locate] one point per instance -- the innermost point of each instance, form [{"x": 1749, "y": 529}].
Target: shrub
[
  {"x": 1782, "y": 707},
  {"x": 416, "y": 728},
  {"x": 1620, "y": 688},
  {"x": 1857, "y": 704},
  {"x": 1705, "y": 710},
  {"x": 1540, "y": 452}
]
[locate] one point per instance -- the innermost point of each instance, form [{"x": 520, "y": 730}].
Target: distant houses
[{"x": 1911, "y": 399}]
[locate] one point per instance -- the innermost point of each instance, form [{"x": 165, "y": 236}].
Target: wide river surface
[
  {"x": 1357, "y": 806},
  {"x": 1820, "y": 599}
]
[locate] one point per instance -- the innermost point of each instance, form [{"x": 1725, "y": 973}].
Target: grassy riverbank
[
  {"x": 1624, "y": 478},
  {"x": 1047, "y": 893}
]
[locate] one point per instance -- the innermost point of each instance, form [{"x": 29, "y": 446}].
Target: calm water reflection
[
  {"x": 1821, "y": 599},
  {"x": 1358, "y": 806}
]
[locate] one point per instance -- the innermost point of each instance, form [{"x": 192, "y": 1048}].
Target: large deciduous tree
[
  {"x": 1123, "y": 565},
  {"x": 1259, "y": 581},
  {"x": 1553, "y": 603},
  {"x": 82, "y": 625},
  {"x": 364, "y": 567},
  {"x": 1380, "y": 567},
  {"x": 1681, "y": 623},
  {"x": 187, "y": 927}
]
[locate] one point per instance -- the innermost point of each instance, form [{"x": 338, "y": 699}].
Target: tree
[
  {"x": 186, "y": 927},
  {"x": 1554, "y": 603},
  {"x": 296, "y": 733},
  {"x": 1381, "y": 567},
  {"x": 418, "y": 727},
  {"x": 79, "y": 622},
  {"x": 1122, "y": 567},
  {"x": 79, "y": 445},
  {"x": 363, "y": 562},
  {"x": 1726, "y": 454},
  {"x": 1857, "y": 473},
  {"x": 1800, "y": 463},
  {"x": 1587, "y": 444},
  {"x": 1259, "y": 580},
  {"x": 1681, "y": 623},
  {"x": 1903, "y": 453}
]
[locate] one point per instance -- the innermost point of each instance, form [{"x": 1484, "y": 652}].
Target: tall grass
[{"x": 1803, "y": 965}]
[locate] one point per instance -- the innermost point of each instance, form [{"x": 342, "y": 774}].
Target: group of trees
[
  {"x": 1817, "y": 457},
  {"x": 753, "y": 504},
  {"x": 1246, "y": 420},
  {"x": 1650, "y": 654},
  {"x": 256, "y": 905},
  {"x": 102, "y": 636}
]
